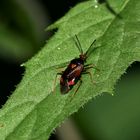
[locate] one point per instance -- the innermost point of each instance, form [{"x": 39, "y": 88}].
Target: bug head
[{"x": 83, "y": 57}]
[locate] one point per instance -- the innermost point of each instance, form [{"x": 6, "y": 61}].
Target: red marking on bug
[{"x": 72, "y": 82}]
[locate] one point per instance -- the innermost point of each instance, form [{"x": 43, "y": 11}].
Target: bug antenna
[
  {"x": 78, "y": 44},
  {"x": 89, "y": 49}
]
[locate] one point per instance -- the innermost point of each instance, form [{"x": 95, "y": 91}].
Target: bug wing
[{"x": 64, "y": 87}]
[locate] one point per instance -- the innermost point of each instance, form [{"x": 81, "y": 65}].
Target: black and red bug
[{"x": 72, "y": 74}]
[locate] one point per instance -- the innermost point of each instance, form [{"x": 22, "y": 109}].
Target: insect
[{"x": 72, "y": 74}]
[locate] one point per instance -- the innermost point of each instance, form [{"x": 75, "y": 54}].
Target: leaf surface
[{"x": 34, "y": 111}]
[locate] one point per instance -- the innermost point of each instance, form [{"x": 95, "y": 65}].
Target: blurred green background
[{"x": 22, "y": 25}]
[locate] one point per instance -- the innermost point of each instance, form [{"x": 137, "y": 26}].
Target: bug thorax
[{"x": 83, "y": 57}]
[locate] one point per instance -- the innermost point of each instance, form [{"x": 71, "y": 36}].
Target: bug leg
[
  {"x": 62, "y": 65},
  {"x": 60, "y": 73},
  {"x": 90, "y": 74},
  {"x": 89, "y": 66},
  {"x": 78, "y": 86}
]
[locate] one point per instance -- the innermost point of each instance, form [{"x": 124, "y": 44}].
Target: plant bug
[{"x": 72, "y": 74}]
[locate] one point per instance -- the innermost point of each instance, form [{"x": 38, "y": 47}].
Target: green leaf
[
  {"x": 107, "y": 116},
  {"x": 33, "y": 111}
]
